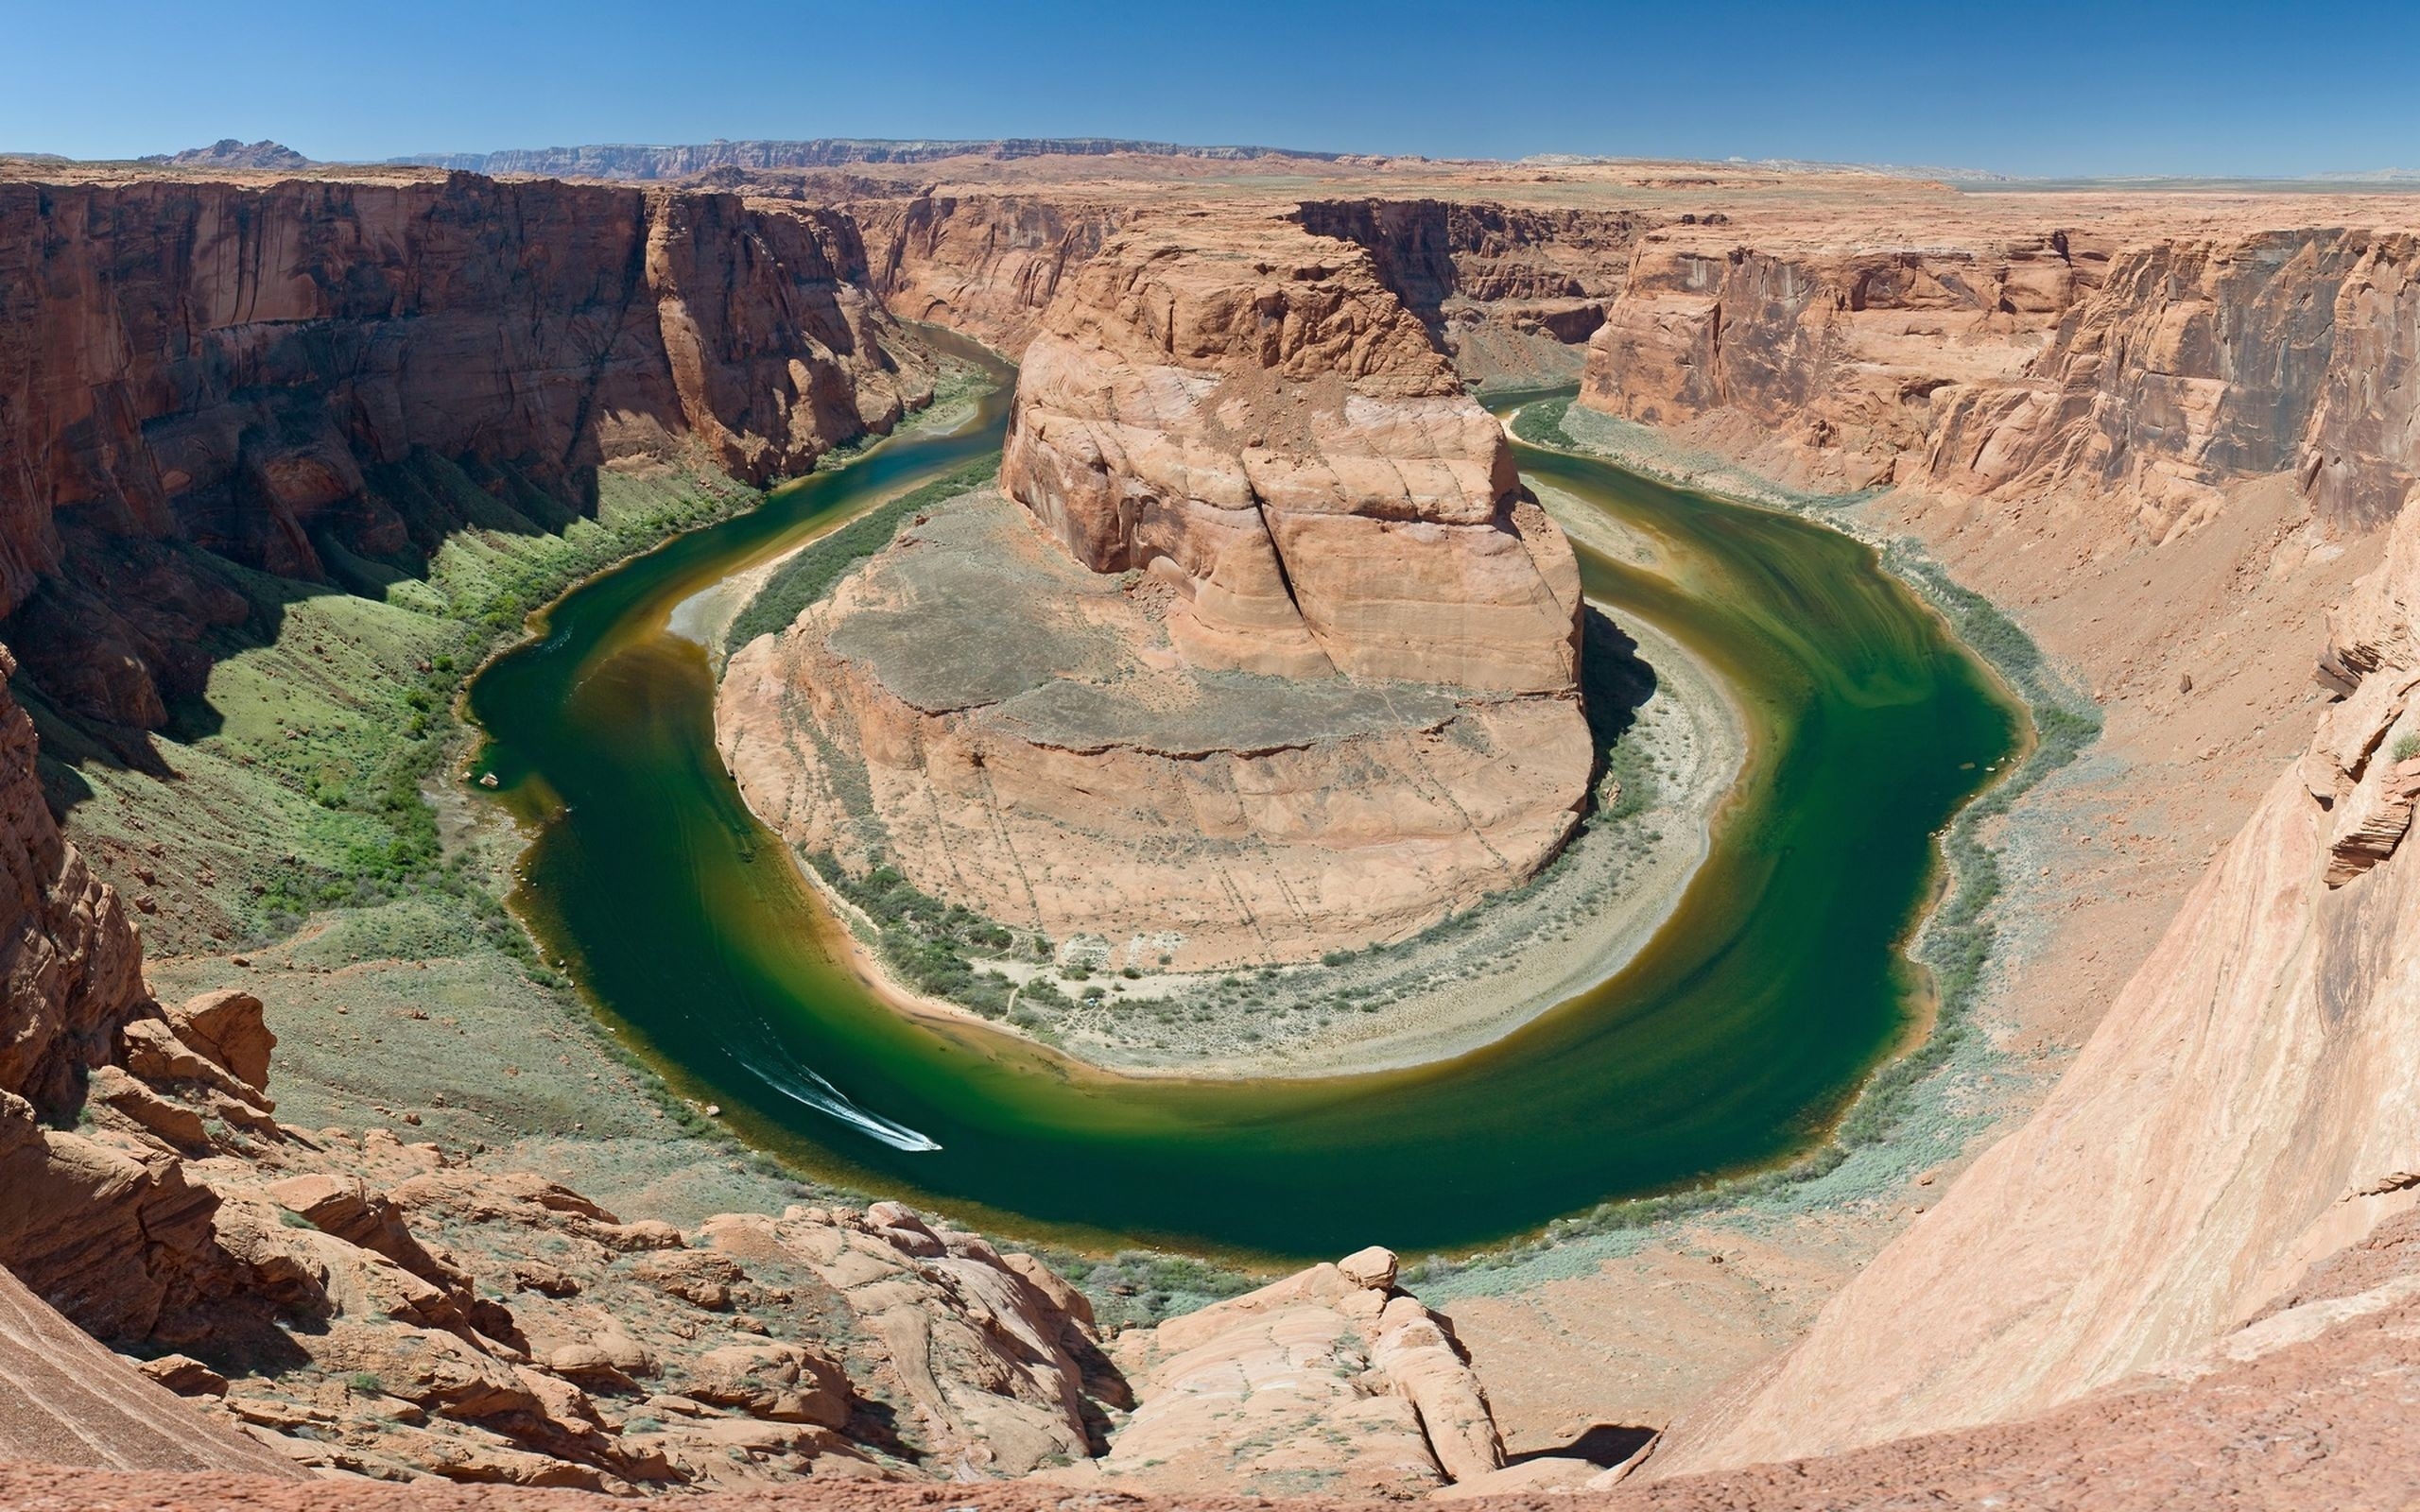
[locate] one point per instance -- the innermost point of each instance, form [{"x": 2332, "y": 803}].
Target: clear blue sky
[{"x": 2045, "y": 87}]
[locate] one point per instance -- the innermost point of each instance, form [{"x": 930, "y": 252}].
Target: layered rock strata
[
  {"x": 2199, "y": 362},
  {"x": 987, "y": 265},
  {"x": 1250, "y": 416},
  {"x": 1268, "y": 654},
  {"x": 2245, "y": 1110},
  {"x": 2152, "y": 371},
  {"x": 232, "y": 366},
  {"x": 1819, "y": 365},
  {"x": 1511, "y": 292}
]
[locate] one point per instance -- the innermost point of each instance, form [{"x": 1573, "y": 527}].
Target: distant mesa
[
  {"x": 629, "y": 161},
  {"x": 229, "y": 153}
]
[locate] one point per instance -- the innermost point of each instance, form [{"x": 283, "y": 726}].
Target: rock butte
[
  {"x": 1293, "y": 666},
  {"x": 2141, "y": 419}
]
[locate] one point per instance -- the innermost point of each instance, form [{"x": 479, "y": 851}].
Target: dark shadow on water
[{"x": 1614, "y": 682}]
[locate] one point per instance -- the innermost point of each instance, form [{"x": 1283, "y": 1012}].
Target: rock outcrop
[
  {"x": 235, "y": 366},
  {"x": 1331, "y": 1381},
  {"x": 232, "y": 152},
  {"x": 1250, "y": 416},
  {"x": 2246, "y": 1108},
  {"x": 1268, "y": 655},
  {"x": 2146, "y": 370},
  {"x": 1819, "y": 365}
]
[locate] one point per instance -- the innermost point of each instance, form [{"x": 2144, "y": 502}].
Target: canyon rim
[{"x": 992, "y": 823}]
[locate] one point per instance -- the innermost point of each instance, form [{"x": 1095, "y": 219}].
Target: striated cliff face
[
  {"x": 1511, "y": 291},
  {"x": 65, "y": 1400},
  {"x": 1265, "y": 654},
  {"x": 230, "y": 366},
  {"x": 2152, "y": 372},
  {"x": 1818, "y": 364},
  {"x": 1252, "y": 417},
  {"x": 986, "y": 265},
  {"x": 2246, "y": 1110},
  {"x": 71, "y": 968},
  {"x": 2198, "y": 363}
]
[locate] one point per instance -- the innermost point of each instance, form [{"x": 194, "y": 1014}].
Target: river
[{"x": 1732, "y": 1040}]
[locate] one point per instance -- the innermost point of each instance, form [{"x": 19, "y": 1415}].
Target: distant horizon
[
  {"x": 2388, "y": 176},
  {"x": 2230, "y": 89}
]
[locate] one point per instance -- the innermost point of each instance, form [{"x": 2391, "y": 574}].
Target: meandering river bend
[{"x": 1778, "y": 984}]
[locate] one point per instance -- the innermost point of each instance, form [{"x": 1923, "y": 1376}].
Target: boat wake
[{"x": 801, "y": 1085}]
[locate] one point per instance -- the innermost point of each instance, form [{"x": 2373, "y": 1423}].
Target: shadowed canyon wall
[{"x": 236, "y": 367}]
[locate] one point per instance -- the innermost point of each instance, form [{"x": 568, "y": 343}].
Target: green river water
[{"x": 1732, "y": 1041}]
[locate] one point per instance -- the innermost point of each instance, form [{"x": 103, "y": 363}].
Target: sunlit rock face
[
  {"x": 1260, "y": 650},
  {"x": 1247, "y": 413}
]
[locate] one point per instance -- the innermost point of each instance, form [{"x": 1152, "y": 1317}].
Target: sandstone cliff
[
  {"x": 2199, "y": 362},
  {"x": 986, "y": 265},
  {"x": 1819, "y": 364},
  {"x": 1511, "y": 291},
  {"x": 1291, "y": 664},
  {"x": 2145, "y": 369},
  {"x": 2245, "y": 1110},
  {"x": 1250, "y": 416},
  {"x": 231, "y": 366}
]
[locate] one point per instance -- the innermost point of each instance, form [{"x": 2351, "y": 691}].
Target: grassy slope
[
  {"x": 308, "y": 824},
  {"x": 305, "y": 822}
]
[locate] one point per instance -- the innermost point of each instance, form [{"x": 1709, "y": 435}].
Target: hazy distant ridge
[{"x": 623, "y": 160}]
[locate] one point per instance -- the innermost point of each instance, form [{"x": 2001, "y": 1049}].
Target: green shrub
[{"x": 810, "y": 574}]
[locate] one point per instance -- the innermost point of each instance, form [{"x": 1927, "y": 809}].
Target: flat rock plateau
[{"x": 290, "y": 448}]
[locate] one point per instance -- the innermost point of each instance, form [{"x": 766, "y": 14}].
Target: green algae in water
[{"x": 1733, "y": 1041}]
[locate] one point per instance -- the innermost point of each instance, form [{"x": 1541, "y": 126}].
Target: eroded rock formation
[
  {"x": 1231, "y": 1398},
  {"x": 235, "y": 366},
  {"x": 1819, "y": 365},
  {"x": 1290, "y": 665},
  {"x": 2151, "y": 371},
  {"x": 2246, "y": 1108},
  {"x": 984, "y": 264},
  {"x": 1250, "y": 416},
  {"x": 1512, "y": 292},
  {"x": 2198, "y": 363}
]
